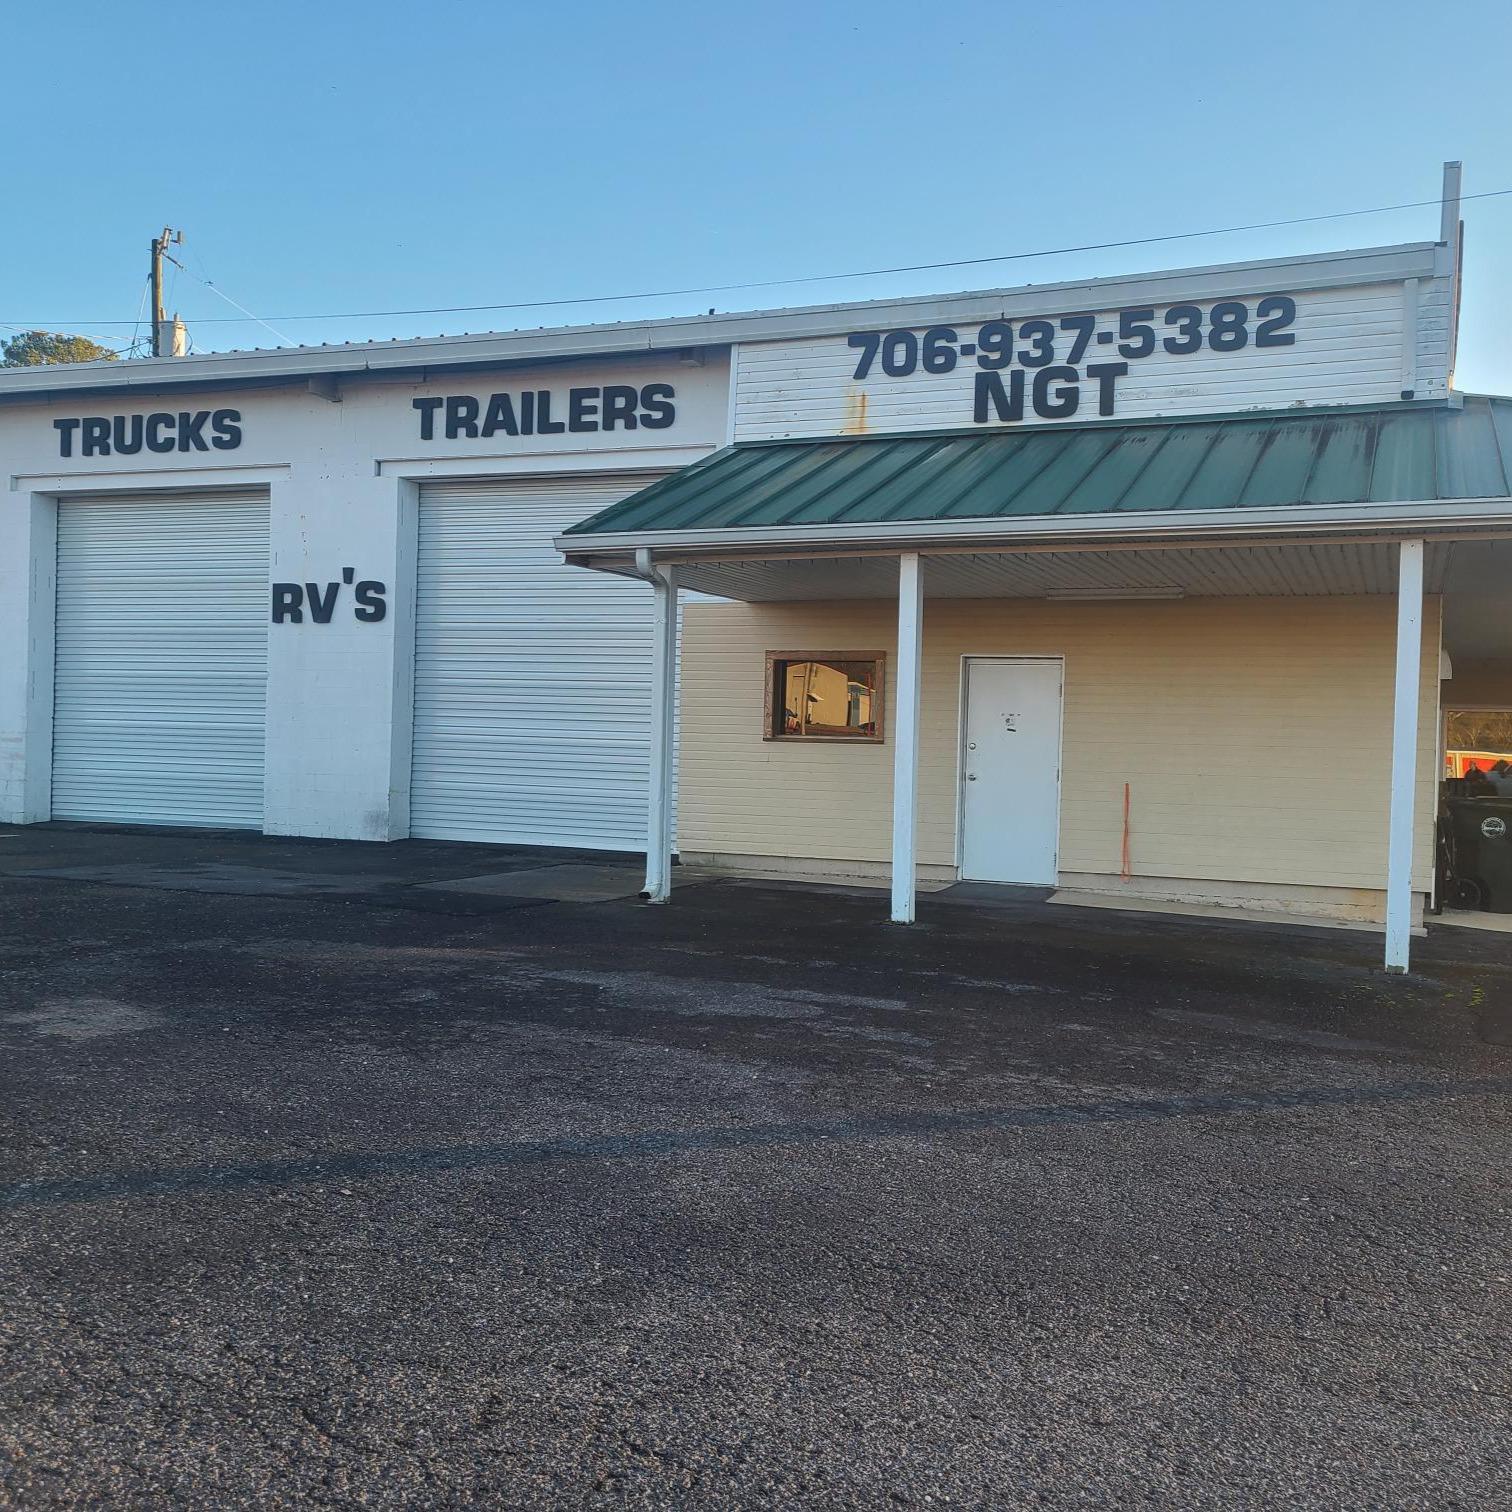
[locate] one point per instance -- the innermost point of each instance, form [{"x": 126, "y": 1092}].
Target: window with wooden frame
[{"x": 824, "y": 695}]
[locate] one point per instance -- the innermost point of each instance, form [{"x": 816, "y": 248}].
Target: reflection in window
[
  {"x": 817, "y": 696},
  {"x": 1478, "y": 749}
]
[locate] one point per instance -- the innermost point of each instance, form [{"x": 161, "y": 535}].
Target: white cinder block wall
[{"x": 342, "y": 481}]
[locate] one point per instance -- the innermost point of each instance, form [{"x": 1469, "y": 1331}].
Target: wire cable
[
  {"x": 141, "y": 306},
  {"x": 216, "y": 289},
  {"x": 810, "y": 278},
  {"x": 108, "y": 342}
]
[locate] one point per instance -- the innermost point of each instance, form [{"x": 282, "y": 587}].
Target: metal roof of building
[
  {"x": 673, "y": 334},
  {"x": 1384, "y": 454}
]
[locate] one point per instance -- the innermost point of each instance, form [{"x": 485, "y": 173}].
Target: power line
[
  {"x": 141, "y": 305},
  {"x": 102, "y": 341},
  {"x": 215, "y": 289},
  {"x": 773, "y": 283}
]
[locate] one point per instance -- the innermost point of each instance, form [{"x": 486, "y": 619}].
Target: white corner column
[
  {"x": 1404, "y": 755},
  {"x": 658, "y": 887},
  {"x": 906, "y": 739},
  {"x": 28, "y": 608}
]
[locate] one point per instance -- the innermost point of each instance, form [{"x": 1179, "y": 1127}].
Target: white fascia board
[
  {"x": 1324, "y": 270},
  {"x": 670, "y": 545}
]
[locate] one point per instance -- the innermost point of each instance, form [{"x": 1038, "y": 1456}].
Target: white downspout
[
  {"x": 659, "y": 838},
  {"x": 1404, "y": 755},
  {"x": 906, "y": 738}
]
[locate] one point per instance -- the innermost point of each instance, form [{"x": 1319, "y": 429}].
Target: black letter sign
[{"x": 125, "y": 435}]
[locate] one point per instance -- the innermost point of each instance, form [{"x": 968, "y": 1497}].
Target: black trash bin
[{"x": 1483, "y": 847}]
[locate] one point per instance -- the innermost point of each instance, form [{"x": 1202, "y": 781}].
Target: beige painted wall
[{"x": 1255, "y": 734}]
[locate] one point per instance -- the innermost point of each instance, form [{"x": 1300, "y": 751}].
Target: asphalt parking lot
[{"x": 371, "y": 1184}]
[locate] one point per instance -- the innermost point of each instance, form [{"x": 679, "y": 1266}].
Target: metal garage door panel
[
  {"x": 161, "y": 661},
  {"x": 532, "y": 679}
]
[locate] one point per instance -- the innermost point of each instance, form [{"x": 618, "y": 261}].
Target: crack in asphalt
[{"x": 653, "y": 1143}]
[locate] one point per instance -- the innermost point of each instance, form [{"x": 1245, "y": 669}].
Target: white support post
[
  {"x": 906, "y": 737},
  {"x": 1404, "y": 755},
  {"x": 663, "y": 712}
]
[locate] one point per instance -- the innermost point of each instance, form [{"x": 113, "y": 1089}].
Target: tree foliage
[
  {"x": 1479, "y": 730},
  {"x": 35, "y": 348}
]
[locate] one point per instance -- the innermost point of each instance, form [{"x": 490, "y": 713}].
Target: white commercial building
[
  {"x": 315, "y": 592},
  {"x": 1150, "y": 584}
]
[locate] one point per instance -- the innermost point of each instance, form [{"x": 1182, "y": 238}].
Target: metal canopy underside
[
  {"x": 1374, "y": 455},
  {"x": 1261, "y": 571}
]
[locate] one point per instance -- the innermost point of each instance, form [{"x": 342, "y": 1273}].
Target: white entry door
[{"x": 1010, "y": 769}]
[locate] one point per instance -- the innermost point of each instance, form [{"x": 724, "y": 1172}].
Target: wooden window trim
[{"x": 879, "y": 697}]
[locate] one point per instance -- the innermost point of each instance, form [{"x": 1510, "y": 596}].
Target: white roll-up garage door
[
  {"x": 162, "y": 652},
  {"x": 532, "y": 679}
]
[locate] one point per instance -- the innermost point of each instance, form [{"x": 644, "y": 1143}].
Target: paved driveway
[{"x": 344, "y": 1192}]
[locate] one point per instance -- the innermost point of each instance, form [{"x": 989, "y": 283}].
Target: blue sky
[{"x": 331, "y": 156}]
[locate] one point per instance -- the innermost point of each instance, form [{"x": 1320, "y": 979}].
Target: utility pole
[{"x": 160, "y": 244}]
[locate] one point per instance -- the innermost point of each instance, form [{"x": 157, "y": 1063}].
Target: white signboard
[{"x": 1273, "y": 349}]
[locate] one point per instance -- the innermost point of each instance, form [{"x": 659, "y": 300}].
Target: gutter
[{"x": 1421, "y": 515}]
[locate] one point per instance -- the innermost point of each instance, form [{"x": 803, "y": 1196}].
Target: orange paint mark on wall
[{"x": 855, "y": 419}]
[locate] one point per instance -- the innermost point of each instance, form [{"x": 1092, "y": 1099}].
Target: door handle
[{"x": 971, "y": 776}]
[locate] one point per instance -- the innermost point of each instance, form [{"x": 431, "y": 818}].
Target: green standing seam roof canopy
[{"x": 1375, "y": 455}]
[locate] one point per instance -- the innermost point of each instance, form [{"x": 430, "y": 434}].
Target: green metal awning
[{"x": 1386, "y": 454}]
